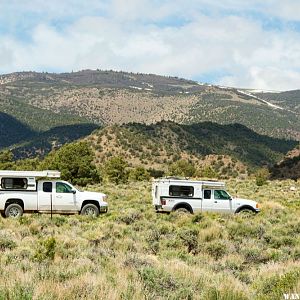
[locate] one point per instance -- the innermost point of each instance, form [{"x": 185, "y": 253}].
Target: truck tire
[
  {"x": 90, "y": 210},
  {"x": 13, "y": 210},
  {"x": 182, "y": 210},
  {"x": 246, "y": 212}
]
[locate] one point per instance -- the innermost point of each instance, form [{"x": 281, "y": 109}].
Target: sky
[{"x": 240, "y": 43}]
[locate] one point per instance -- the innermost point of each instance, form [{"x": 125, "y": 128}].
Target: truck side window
[
  {"x": 62, "y": 187},
  {"x": 221, "y": 195},
  {"x": 14, "y": 183},
  {"x": 47, "y": 187},
  {"x": 181, "y": 191},
  {"x": 207, "y": 194}
]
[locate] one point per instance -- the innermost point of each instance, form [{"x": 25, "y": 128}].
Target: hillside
[
  {"x": 165, "y": 142},
  {"x": 289, "y": 100},
  {"x": 42, "y": 143},
  {"x": 288, "y": 167},
  {"x": 108, "y": 97},
  {"x": 12, "y": 131}
]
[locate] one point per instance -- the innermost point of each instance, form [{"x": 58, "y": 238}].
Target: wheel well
[
  {"x": 183, "y": 205},
  {"x": 85, "y": 202},
  {"x": 17, "y": 201},
  {"x": 245, "y": 207}
]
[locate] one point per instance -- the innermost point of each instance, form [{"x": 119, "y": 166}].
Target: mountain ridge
[{"x": 109, "y": 97}]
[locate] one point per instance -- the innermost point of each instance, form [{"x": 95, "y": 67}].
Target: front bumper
[{"x": 103, "y": 209}]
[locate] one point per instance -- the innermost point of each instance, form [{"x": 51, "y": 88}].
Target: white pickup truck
[
  {"x": 28, "y": 191},
  {"x": 172, "y": 194}
]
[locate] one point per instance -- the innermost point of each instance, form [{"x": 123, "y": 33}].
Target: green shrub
[
  {"x": 153, "y": 239},
  {"x": 261, "y": 176},
  {"x": 139, "y": 174},
  {"x": 115, "y": 170},
  {"x": 182, "y": 168},
  {"x": 129, "y": 217},
  {"x": 274, "y": 287},
  {"x": 158, "y": 282},
  {"x": 75, "y": 162},
  {"x": 208, "y": 172},
  {"x": 6, "y": 243},
  {"x": 190, "y": 239},
  {"x": 46, "y": 250},
  {"x": 216, "y": 249}
]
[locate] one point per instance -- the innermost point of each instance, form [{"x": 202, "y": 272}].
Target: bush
[
  {"x": 115, "y": 170},
  {"x": 75, "y": 162},
  {"x": 274, "y": 287},
  {"x": 208, "y": 172},
  {"x": 6, "y": 243},
  {"x": 46, "y": 250},
  {"x": 156, "y": 173},
  {"x": 216, "y": 249},
  {"x": 182, "y": 168},
  {"x": 139, "y": 174},
  {"x": 190, "y": 239},
  {"x": 130, "y": 217},
  {"x": 158, "y": 282},
  {"x": 262, "y": 176}
]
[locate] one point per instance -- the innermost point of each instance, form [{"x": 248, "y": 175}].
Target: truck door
[
  {"x": 65, "y": 198},
  {"x": 222, "y": 201},
  {"x": 207, "y": 202},
  {"x": 45, "y": 192}
]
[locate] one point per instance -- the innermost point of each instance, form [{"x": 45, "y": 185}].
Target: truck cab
[
  {"x": 174, "y": 194},
  {"x": 24, "y": 191}
]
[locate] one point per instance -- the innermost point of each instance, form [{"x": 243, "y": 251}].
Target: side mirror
[{"x": 73, "y": 192}]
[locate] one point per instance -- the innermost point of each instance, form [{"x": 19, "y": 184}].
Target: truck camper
[
  {"x": 184, "y": 195},
  {"x": 42, "y": 191}
]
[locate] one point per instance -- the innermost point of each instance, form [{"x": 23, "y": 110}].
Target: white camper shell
[
  {"x": 42, "y": 191},
  {"x": 184, "y": 195}
]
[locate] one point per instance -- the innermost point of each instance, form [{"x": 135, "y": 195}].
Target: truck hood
[
  {"x": 241, "y": 201},
  {"x": 92, "y": 196}
]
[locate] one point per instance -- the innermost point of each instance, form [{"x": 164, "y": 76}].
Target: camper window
[
  {"x": 14, "y": 183},
  {"x": 181, "y": 191}
]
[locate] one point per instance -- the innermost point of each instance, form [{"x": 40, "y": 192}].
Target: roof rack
[
  {"x": 176, "y": 178},
  {"x": 45, "y": 173}
]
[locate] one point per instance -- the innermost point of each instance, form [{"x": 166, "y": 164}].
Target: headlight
[
  {"x": 257, "y": 205},
  {"x": 104, "y": 198}
]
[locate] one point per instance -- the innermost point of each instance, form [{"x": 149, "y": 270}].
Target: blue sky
[{"x": 254, "y": 44}]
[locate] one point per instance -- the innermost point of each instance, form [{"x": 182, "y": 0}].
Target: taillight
[{"x": 163, "y": 201}]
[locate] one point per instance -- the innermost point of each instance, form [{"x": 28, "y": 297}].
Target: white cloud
[{"x": 128, "y": 37}]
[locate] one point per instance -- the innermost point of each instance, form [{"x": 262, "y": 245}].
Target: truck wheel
[
  {"x": 13, "y": 210},
  {"x": 246, "y": 212},
  {"x": 182, "y": 210},
  {"x": 90, "y": 210}
]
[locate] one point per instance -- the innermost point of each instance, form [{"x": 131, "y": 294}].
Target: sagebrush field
[{"x": 134, "y": 253}]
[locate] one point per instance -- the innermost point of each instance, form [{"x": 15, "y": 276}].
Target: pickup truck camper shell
[
  {"x": 43, "y": 191},
  {"x": 186, "y": 195}
]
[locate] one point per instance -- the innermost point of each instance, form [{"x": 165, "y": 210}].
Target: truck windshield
[{"x": 221, "y": 195}]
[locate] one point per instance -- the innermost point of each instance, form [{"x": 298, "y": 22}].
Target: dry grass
[{"x": 134, "y": 253}]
